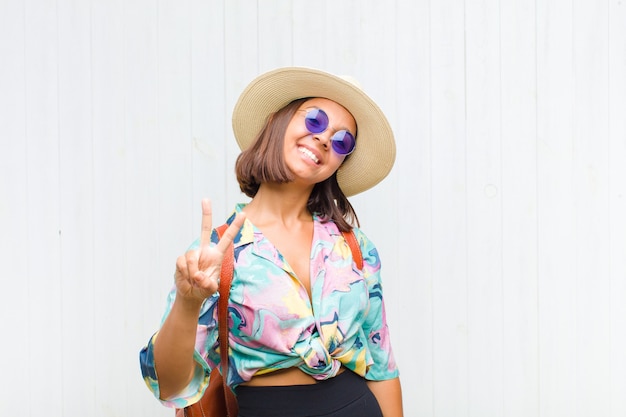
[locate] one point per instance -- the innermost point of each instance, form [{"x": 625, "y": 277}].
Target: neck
[{"x": 279, "y": 203}]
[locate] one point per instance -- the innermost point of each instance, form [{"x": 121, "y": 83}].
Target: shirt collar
[{"x": 247, "y": 233}]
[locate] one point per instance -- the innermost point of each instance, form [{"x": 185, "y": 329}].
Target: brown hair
[{"x": 264, "y": 161}]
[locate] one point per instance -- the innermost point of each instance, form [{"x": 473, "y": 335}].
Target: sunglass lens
[
  {"x": 343, "y": 142},
  {"x": 316, "y": 120}
]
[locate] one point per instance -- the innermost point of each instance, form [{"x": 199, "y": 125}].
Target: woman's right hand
[{"x": 198, "y": 270}]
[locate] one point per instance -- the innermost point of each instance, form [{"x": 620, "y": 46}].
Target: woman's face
[{"x": 310, "y": 156}]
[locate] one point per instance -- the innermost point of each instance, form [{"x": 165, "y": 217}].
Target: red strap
[
  {"x": 226, "y": 277},
  {"x": 355, "y": 248}
]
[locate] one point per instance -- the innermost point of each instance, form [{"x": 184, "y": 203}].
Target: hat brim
[{"x": 375, "y": 151}]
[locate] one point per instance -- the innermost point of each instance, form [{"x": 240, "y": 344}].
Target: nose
[{"x": 323, "y": 138}]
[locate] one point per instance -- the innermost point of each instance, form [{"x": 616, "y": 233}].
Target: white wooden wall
[{"x": 502, "y": 227}]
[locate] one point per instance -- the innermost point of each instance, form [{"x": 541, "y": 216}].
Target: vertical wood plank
[
  {"x": 376, "y": 48},
  {"x": 76, "y": 206},
  {"x": 617, "y": 205},
  {"x": 210, "y": 120},
  {"x": 519, "y": 208},
  {"x": 146, "y": 282},
  {"x": 116, "y": 384},
  {"x": 275, "y": 34},
  {"x": 241, "y": 63},
  {"x": 43, "y": 205},
  {"x": 43, "y": 211},
  {"x": 556, "y": 221},
  {"x": 176, "y": 210},
  {"x": 590, "y": 146},
  {"x": 484, "y": 204},
  {"x": 413, "y": 172},
  {"x": 340, "y": 43},
  {"x": 15, "y": 249},
  {"x": 310, "y": 35},
  {"x": 449, "y": 209}
]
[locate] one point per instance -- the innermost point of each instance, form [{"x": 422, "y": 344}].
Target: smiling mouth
[{"x": 310, "y": 154}]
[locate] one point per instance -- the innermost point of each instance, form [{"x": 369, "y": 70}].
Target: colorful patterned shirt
[{"x": 274, "y": 323}]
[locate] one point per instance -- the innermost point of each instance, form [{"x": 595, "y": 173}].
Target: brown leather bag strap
[
  {"x": 226, "y": 277},
  {"x": 355, "y": 248}
]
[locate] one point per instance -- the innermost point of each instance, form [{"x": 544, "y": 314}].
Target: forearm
[
  {"x": 388, "y": 393},
  {"x": 174, "y": 348}
]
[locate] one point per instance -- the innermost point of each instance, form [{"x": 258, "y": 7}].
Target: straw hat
[{"x": 375, "y": 150}]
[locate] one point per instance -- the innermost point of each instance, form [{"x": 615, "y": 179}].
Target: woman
[{"x": 308, "y": 333}]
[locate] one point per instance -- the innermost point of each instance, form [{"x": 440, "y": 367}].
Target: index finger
[{"x": 207, "y": 227}]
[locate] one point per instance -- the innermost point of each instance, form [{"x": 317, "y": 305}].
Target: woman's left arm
[
  {"x": 389, "y": 396},
  {"x": 382, "y": 376}
]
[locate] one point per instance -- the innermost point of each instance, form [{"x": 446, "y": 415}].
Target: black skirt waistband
[{"x": 320, "y": 399}]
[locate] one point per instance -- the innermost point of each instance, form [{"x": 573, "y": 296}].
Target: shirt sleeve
[
  {"x": 375, "y": 325},
  {"x": 206, "y": 355}
]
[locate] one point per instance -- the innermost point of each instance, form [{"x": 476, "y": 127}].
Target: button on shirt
[{"x": 274, "y": 323}]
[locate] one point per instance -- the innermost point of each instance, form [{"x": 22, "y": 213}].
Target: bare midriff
[{"x": 284, "y": 377}]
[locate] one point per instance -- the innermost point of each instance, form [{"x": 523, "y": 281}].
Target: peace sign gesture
[{"x": 198, "y": 270}]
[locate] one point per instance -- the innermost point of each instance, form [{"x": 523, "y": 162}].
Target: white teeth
[{"x": 310, "y": 154}]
